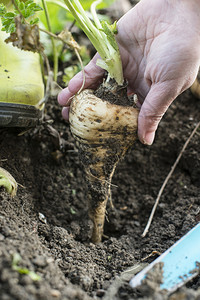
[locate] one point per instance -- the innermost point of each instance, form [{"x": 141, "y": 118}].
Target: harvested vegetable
[
  {"x": 104, "y": 132},
  {"x": 104, "y": 123}
]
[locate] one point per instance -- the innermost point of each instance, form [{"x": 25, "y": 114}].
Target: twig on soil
[
  {"x": 167, "y": 179},
  {"x": 153, "y": 253}
]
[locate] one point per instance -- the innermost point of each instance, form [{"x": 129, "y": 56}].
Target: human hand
[{"x": 159, "y": 43}]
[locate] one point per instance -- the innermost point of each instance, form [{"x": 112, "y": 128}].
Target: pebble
[
  {"x": 2, "y": 237},
  {"x": 100, "y": 293},
  {"x": 42, "y": 218},
  {"x": 55, "y": 293}
]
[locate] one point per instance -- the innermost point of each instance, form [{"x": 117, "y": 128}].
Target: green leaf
[
  {"x": 29, "y": 2},
  {"x": 27, "y": 13},
  {"x": 6, "y": 21},
  {"x": 35, "y": 21},
  {"x": 55, "y": 14},
  {"x": 8, "y": 25},
  {"x": 31, "y": 5},
  {"x": 110, "y": 31},
  {"x": 37, "y": 7},
  {"x": 27, "y": 9},
  {"x": 87, "y": 3},
  {"x": 9, "y": 15},
  {"x": 12, "y": 28},
  {"x": 2, "y": 9},
  {"x": 21, "y": 6}
]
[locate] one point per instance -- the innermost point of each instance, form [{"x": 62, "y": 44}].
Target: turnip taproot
[{"x": 104, "y": 130}]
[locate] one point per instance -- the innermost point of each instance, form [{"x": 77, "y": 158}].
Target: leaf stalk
[{"x": 102, "y": 36}]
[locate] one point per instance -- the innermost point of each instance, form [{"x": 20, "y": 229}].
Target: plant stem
[
  {"x": 55, "y": 55},
  {"x": 94, "y": 35},
  {"x": 19, "y": 11},
  {"x": 102, "y": 36},
  {"x": 94, "y": 14}
]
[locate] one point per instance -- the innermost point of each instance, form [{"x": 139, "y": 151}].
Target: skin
[{"x": 159, "y": 42}]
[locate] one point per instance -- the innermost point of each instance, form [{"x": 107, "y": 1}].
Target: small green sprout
[
  {"x": 73, "y": 192},
  {"x": 15, "y": 261},
  {"x": 72, "y": 211}
]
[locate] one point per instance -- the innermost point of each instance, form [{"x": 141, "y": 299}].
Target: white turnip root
[{"x": 104, "y": 133}]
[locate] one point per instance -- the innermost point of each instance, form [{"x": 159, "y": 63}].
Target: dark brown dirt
[
  {"x": 52, "y": 183},
  {"x": 47, "y": 222},
  {"x": 114, "y": 93}
]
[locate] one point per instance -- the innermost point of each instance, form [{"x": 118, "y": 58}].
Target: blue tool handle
[{"x": 180, "y": 262}]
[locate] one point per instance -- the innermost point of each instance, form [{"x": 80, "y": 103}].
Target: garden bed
[
  {"x": 52, "y": 183},
  {"x": 47, "y": 224}
]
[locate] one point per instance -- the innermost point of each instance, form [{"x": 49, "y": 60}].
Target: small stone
[
  {"x": 2, "y": 237},
  {"x": 100, "y": 293},
  {"x": 42, "y": 218},
  {"x": 55, "y": 293}
]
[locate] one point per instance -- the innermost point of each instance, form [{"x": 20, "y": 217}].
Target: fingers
[
  {"x": 93, "y": 77},
  {"x": 65, "y": 113},
  {"x": 152, "y": 110}
]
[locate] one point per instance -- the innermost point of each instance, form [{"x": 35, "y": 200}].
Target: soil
[
  {"x": 114, "y": 93},
  {"x": 47, "y": 223}
]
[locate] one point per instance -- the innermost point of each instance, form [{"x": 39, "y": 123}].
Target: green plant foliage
[
  {"x": 2, "y": 9},
  {"x": 27, "y": 9},
  {"x": 102, "y": 36},
  {"x": 71, "y": 70},
  {"x": 87, "y": 3},
  {"x": 15, "y": 261},
  {"x": 110, "y": 31},
  {"x": 59, "y": 16}
]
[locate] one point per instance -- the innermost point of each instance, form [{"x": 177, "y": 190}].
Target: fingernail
[{"x": 149, "y": 138}]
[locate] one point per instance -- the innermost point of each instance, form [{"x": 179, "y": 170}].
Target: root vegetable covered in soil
[
  {"x": 104, "y": 132},
  {"x": 104, "y": 129}
]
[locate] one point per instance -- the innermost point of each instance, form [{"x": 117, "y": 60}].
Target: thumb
[
  {"x": 93, "y": 76},
  {"x": 156, "y": 103}
]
